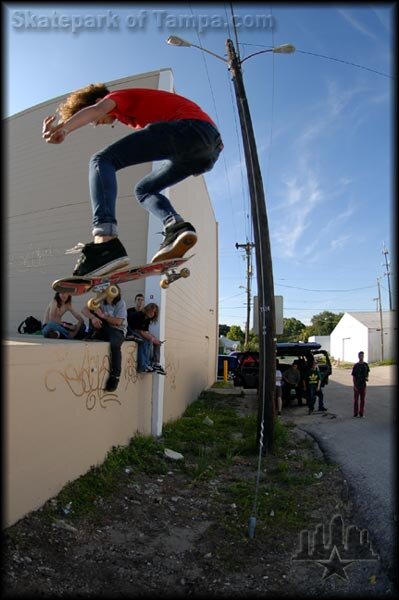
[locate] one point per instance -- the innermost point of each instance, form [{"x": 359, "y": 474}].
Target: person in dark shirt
[
  {"x": 360, "y": 375},
  {"x": 138, "y": 306},
  {"x": 139, "y": 322}
]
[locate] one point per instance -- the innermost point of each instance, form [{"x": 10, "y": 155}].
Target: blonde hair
[
  {"x": 149, "y": 307},
  {"x": 82, "y": 98}
]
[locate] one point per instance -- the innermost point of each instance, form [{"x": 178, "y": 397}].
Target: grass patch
[
  {"x": 143, "y": 454},
  {"x": 212, "y": 436},
  {"x": 221, "y": 384}
]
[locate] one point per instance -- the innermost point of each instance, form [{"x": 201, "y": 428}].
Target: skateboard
[{"x": 104, "y": 285}]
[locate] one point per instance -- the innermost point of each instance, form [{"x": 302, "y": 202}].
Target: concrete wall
[
  {"x": 192, "y": 305},
  {"x": 58, "y": 419}
]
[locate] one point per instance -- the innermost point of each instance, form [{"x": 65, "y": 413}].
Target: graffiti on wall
[{"x": 87, "y": 379}]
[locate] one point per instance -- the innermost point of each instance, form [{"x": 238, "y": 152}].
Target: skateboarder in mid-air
[{"x": 169, "y": 128}]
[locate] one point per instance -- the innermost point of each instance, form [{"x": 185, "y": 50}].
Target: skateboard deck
[{"x": 104, "y": 285}]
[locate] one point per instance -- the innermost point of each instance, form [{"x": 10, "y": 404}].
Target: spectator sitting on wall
[
  {"x": 110, "y": 324},
  {"x": 53, "y": 325},
  {"x": 148, "y": 352},
  {"x": 138, "y": 306}
]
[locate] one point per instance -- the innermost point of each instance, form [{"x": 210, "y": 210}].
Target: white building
[
  {"x": 362, "y": 331},
  {"x": 324, "y": 340},
  {"x": 226, "y": 346}
]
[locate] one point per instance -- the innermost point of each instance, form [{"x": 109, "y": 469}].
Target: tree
[
  {"x": 224, "y": 330},
  {"x": 235, "y": 333},
  {"x": 292, "y": 330},
  {"x": 253, "y": 342},
  {"x": 325, "y": 322},
  {"x": 321, "y": 324}
]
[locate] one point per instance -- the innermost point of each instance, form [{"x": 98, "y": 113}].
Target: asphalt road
[{"x": 364, "y": 449}]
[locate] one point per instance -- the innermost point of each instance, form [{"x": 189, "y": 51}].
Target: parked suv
[{"x": 246, "y": 373}]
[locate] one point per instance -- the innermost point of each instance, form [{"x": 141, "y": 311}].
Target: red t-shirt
[{"x": 137, "y": 107}]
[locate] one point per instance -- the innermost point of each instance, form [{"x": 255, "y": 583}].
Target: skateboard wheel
[
  {"x": 112, "y": 291},
  {"x": 185, "y": 273},
  {"x": 164, "y": 283},
  {"x": 93, "y": 304}
]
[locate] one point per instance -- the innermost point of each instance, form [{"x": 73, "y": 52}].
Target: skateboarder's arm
[{"x": 91, "y": 114}]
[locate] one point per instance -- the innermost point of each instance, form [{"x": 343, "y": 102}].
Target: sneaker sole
[
  {"x": 115, "y": 265},
  {"x": 180, "y": 246}
]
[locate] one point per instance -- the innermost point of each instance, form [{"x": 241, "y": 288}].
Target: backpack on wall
[{"x": 30, "y": 325}]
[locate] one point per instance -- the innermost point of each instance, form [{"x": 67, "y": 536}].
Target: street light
[{"x": 267, "y": 325}]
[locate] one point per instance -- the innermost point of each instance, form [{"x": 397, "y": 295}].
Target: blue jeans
[
  {"x": 54, "y": 326},
  {"x": 187, "y": 147},
  {"x": 312, "y": 393}
]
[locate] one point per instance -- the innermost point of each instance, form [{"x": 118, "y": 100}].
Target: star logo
[
  {"x": 335, "y": 552},
  {"x": 335, "y": 565}
]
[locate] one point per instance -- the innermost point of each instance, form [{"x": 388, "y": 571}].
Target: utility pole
[
  {"x": 248, "y": 251},
  {"x": 267, "y": 324},
  {"x": 381, "y": 322},
  {"x": 388, "y": 273}
]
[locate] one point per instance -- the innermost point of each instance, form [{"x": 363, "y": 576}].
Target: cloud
[
  {"x": 356, "y": 24},
  {"x": 302, "y": 195},
  {"x": 339, "y": 242}
]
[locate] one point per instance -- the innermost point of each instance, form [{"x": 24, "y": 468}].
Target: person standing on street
[
  {"x": 311, "y": 387},
  {"x": 279, "y": 388},
  {"x": 360, "y": 375}
]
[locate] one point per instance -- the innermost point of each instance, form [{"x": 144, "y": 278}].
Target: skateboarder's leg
[
  {"x": 190, "y": 147},
  {"x": 180, "y": 235}
]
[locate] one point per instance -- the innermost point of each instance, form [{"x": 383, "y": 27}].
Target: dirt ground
[{"x": 175, "y": 535}]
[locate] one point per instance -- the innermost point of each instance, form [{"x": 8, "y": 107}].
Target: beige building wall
[
  {"x": 191, "y": 308},
  {"x": 54, "y": 435},
  {"x": 58, "y": 420}
]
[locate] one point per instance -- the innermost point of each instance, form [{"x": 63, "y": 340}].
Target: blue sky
[{"x": 323, "y": 126}]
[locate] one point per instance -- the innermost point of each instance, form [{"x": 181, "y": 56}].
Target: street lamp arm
[
  {"x": 255, "y": 54},
  {"x": 174, "y": 40},
  {"x": 283, "y": 49},
  {"x": 210, "y": 52}
]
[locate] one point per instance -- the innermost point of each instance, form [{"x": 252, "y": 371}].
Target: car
[
  {"x": 247, "y": 370},
  {"x": 231, "y": 365}
]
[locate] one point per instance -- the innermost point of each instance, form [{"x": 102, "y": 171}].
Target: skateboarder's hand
[{"x": 53, "y": 135}]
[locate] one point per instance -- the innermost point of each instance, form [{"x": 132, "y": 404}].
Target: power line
[
  {"x": 308, "y": 290},
  {"x": 347, "y": 62},
  {"x": 217, "y": 119}
]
